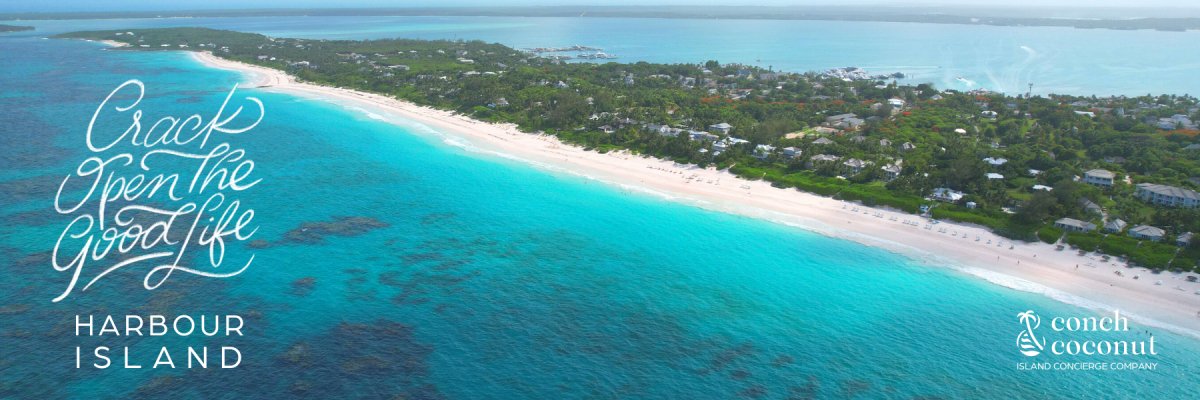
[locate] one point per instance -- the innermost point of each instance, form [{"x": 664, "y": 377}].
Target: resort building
[
  {"x": 1099, "y": 177},
  {"x": 791, "y": 152},
  {"x": 1147, "y": 232},
  {"x": 1074, "y": 225},
  {"x": 1170, "y": 196}
]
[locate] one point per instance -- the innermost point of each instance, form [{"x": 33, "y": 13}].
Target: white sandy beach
[{"x": 1035, "y": 267}]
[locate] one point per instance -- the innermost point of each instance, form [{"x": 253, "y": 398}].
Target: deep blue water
[
  {"x": 1007, "y": 59},
  {"x": 490, "y": 279}
]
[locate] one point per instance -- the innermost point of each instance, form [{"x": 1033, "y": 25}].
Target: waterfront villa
[
  {"x": 1099, "y": 177},
  {"x": 762, "y": 151},
  {"x": 820, "y": 159},
  {"x": 947, "y": 195},
  {"x": 891, "y": 171},
  {"x": 1184, "y": 239},
  {"x": 1115, "y": 226},
  {"x": 1165, "y": 195},
  {"x": 1074, "y": 225},
  {"x": 1147, "y": 232},
  {"x": 855, "y": 165}
]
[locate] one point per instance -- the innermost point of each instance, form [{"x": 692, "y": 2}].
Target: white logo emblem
[{"x": 1026, "y": 341}]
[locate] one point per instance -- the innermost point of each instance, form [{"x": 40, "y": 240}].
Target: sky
[{"x": 159, "y": 5}]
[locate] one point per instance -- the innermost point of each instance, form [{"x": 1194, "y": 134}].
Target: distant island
[
  {"x": 14, "y": 28},
  {"x": 963, "y": 16},
  {"x": 1117, "y": 175}
]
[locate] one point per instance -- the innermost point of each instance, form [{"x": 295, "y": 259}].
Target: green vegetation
[{"x": 900, "y": 143}]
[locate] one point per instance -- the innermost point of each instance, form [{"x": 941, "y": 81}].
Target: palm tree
[{"x": 1026, "y": 341}]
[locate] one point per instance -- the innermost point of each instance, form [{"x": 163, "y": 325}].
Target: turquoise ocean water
[{"x": 484, "y": 278}]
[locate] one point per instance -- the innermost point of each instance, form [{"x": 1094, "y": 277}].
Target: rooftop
[
  {"x": 1172, "y": 191},
  {"x": 1100, "y": 173}
]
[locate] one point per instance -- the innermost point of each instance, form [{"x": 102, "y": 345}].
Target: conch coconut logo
[{"x": 1026, "y": 340}]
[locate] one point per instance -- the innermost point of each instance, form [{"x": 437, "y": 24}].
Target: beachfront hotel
[{"x": 1169, "y": 196}]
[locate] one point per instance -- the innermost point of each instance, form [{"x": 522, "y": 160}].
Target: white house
[
  {"x": 891, "y": 171},
  {"x": 663, "y": 130},
  {"x": 856, "y": 165},
  {"x": 1170, "y": 196},
  {"x": 702, "y": 135},
  {"x": 995, "y": 162},
  {"x": 721, "y": 128},
  {"x": 845, "y": 121},
  {"x": 1147, "y": 232},
  {"x": 1074, "y": 225},
  {"x": 1091, "y": 207},
  {"x": 820, "y": 159},
  {"x": 1115, "y": 226},
  {"x": 762, "y": 151},
  {"x": 839, "y": 117},
  {"x": 1099, "y": 177},
  {"x": 946, "y": 194},
  {"x": 1184, "y": 239}
]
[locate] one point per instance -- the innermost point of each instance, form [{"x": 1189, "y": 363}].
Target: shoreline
[{"x": 1064, "y": 276}]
